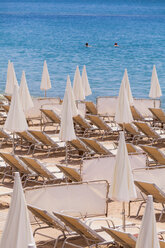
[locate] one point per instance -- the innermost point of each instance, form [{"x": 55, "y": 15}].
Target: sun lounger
[
  {"x": 41, "y": 170},
  {"x": 157, "y": 155},
  {"x": 70, "y": 172},
  {"x": 90, "y": 235},
  {"x": 15, "y": 165},
  {"x": 4, "y": 136},
  {"x": 155, "y": 191},
  {"x": 96, "y": 146},
  {"x": 48, "y": 219},
  {"x": 80, "y": 147},
  {"x": 100, "y": 124},
  {"x": 136, "y": 114},
  {"x": 125, "y": 239},
  {"x": 46, "y": 140},
  {"x": 51, "y": 118},
  {"x": 159, "y": 114},
  {"x": 7, "y": 97},
  {"x": 131, "y": 148},
  {"x": 82, "y": 124},
  {"x": 149, "y": 131},
  {"x": 6, "y": 108},
  {"x": 91, "y": 107}
]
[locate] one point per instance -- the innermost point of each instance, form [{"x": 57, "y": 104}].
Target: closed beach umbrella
[
  {"x": 85, "y": 82},
  {"x": 148, "y": 233},
  {"x": 155, "y": 90},
  {"x": 11, "y": 79},
  {"x": 67, "y": 132},
  {"x": 125, "y": 80},
  {"x": 15, "y": 121},
  {"x": 17, "y": 232},
  {"x": 71, "y": 96},
  {"x": 122, "y": 188},
  {"x": 25, "y": 96},
  {"x": 123, "y": 112},
  {"x": 45, "y": 81},
  {"x": 78, "y": 89}
]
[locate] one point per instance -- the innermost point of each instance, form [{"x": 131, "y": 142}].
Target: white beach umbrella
[
  {"x": 148, "y": 233},
  {"x": 123, "y": 112},
  {"x": 67, "y": 132},
  {"x": 71, "y": 96},
  {"x": 15, "y": 121},
  {"x": 25, "y": 96},
  {"x": 155, "y": 90},
  {"x": 45, "y": 81},
  {"x": 85, "y": 82},
  {"x": 17, "y": 232},
  {"x": 11, "y": 79},
  {"x": 125, "y": 80},
  {"x": 78, "y": 89},
  {"x": 122, "y": 187}
]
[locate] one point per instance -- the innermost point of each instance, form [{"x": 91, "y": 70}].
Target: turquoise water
[{"x": 33, "y": 31}]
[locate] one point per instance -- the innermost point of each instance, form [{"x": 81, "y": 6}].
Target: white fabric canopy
[
  {"x": 122, "y": 187},
  {"x": 17, "y": 232},
  {"x": 125, "y": 80},
  {"x": 25, "y": 97},
  {"x": 78, "y": 90},
  {"x": 148, "y": 233},
  {"x": 123, "y": 112},
  {"x": 16, "y": 121},
  {"x": 11, "y": 79},
  {"x": 67, "y": 132},
  {"x": 85, "y": 82},
  {"x": 45, "y": 81},
  {"x": 155, "y": 90},
  {"x": 71, "y": 96}
]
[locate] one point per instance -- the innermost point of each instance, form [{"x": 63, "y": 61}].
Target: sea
[{"x": 57, "y": 30}]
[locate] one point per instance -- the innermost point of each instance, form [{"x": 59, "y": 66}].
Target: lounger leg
[
  {"x": 141, "y": 204},
  {"x": 162, "y": 212}
]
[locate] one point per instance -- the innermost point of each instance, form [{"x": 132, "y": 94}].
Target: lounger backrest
[
  {"x": 154, "y": 153},
  {"x": 79, "y": 145},
  {"x": 6, "y": 108},
  {"x": 36, "y": 166},
  {"x": 51, "y": 115},
  {"x": 130, "y": 128},
  {"x": 123, "y": 238},
  {"x": 98, "y": 122},
  {"x": 7, "y": 97},
  {"x": 43, "y": 138},
  {"x": 27, "y": 137},
  {"x": 131, "y": 148},
  {"x": 151, "y": 189},
  {"x": 47, "y": 218},
  {"x": 3, "y": 134},
  {"x": 91, "y": 107},
  {"x": 84, "y": 199},
  {"x": 81, "y": 122},
  {"x": 79, "y": 227},
  {"x": 147, "y": 130},
  {"x": 96, "y": 146},
  {"x": 70, "y": 172},
  {"x": 158, "y": 113},
  {"x": 136, "y": 114},
  {"x": 15, "y": 162}
]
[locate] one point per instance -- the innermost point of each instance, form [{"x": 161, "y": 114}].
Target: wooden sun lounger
[
  {"x": 159, "y": 114},
  {"x": 80, "y": 146},
  {"x": 39, "y": 169},
  {"x": 70, "y": 172},
  {"x": 91, "y": 107},
  {"x": 82, "y": 229},
  {"x": 45, "y": 140},
  {"x": 96, "y": 146},
  {"x": 100, "y": 123},
  {"x": 4, "y": 136},
  {"x": 52, "y": 117},
  {"x": 157, "y": 155},
  {"x": 131, "y": 148},
  {"x": 82, "y": 123},
  {"x": 6, "y": 108},
  {"x": 148, "y": 130},
  {"x": 131, "y": 130},
  {"x": 7, "y": 97},
  {"x": 125, "y": 239},
  {"x": 136, "y": 114},
  {"x": 155, "y": 191}
]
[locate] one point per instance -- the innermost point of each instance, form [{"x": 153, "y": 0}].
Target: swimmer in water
[
  {"x": 87, "y": 45},
  {"x": 116, "y": 45}
]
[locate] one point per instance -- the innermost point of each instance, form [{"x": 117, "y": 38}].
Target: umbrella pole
[
  {"x": 123, "y": 216},
  {"x": 66, "y": 153},
  {"x": 45, "y": 93},
  {"x": 13, "y": 142},
  {"x": 154, "y": 103}
]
